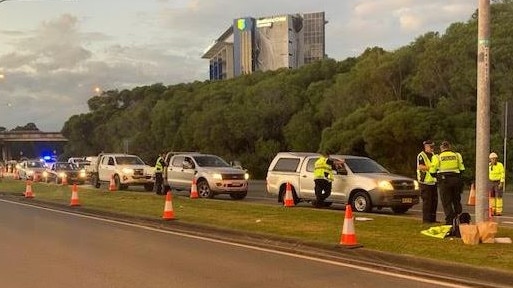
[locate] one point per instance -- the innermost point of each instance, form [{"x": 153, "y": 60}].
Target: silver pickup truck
[
  {"x": 362, "y": 182},
  {"x": 213, "y": 175}
]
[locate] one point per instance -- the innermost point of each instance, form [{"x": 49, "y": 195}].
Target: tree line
[{"x": 381, "y": 104}]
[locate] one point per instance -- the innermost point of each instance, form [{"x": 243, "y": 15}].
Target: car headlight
[
  {"x": 82, "y": 173},
  {"x": 45, "y": 174},
  {"x": 217, "y": 176},
  {"x": 62, "y": 174},
  {"x": 30, "y": 172},
  {"x": 416, "y": 184},
  {"x": 385, "y": 185},
  {"x": 127, "y": 171},
  {"x": 246, "y": 176}
]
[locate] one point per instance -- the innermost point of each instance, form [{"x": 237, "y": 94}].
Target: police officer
[
  {"x": 428, "y": 187},
  {"x": 159, "y": 168},
  {"x": 496, "y": 176},
  {"x": 448, "y": 167},
  {"x": 323, "y": 176}
]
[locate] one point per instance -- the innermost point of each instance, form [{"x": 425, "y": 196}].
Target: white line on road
[{"x": 366, "y": 269}]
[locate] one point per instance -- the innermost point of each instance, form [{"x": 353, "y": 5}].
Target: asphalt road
[{"x": 41, "y": 247}]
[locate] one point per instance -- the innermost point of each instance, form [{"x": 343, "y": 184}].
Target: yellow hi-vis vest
[
  {"x": 158, "y": 165},
  {"x": 425, "y": 177},
  {"x": 447, "y": 162},
  {"x": 322, "y": 170},
  {"x": 496, "y": 172}
]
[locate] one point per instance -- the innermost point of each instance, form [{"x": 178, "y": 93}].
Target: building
[{"x": 267, "y": 43}]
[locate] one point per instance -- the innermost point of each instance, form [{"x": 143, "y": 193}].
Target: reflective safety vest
[
  {"x": 447, "y": 162},
  {"x": 425, "y": 177},
  {"x": 158, "y": 166},
  {"x": 322, "y": 170},
  {"x": 496, "y": 172}
]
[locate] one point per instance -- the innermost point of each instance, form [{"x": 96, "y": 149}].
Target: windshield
[
  {"x": 35, "y": 164},
  {"x": 364, "y": 165},
  {"x": 129, "y": 160},
  {"x": 210, "y": 161},
  {"x": 65, "y": 166}
]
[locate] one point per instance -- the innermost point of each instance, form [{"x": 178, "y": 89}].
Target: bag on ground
[
  {"x": 469, "y": 234},
  {"x": 487, "y": 231}
]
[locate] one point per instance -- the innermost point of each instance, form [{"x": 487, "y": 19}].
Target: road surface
[{"x": 46, "y": 248}]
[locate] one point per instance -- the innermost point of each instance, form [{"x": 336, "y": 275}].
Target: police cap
[
  {"x": 428, "y": 142},
  {"x": 493, "y": 155}
]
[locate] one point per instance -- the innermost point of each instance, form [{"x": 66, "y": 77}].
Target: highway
[{"x": 41, "y": 247}]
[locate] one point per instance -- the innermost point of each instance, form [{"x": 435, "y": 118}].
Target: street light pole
[{"x": 483, "y": 111}]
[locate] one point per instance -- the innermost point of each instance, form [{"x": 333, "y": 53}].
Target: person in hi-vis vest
[
  {"x": 428, "y": 187},
  {"x": 496, "y": 175}
]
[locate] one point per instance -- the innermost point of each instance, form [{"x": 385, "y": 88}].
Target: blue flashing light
[{"x": 46, "y": 158}]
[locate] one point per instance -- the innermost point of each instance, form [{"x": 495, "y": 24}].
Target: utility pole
[{"x": 483, "y": 111}]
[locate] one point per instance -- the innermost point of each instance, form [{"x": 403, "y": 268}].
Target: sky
[{"x": 57, "y": 54}]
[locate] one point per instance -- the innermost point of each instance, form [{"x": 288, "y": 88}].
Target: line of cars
[{"x": 57, "y": 172}]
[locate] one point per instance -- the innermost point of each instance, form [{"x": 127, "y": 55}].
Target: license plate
[{"x": 407, "y": 200}]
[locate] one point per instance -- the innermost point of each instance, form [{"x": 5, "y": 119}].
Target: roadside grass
[{"x": 388, "y": 233}]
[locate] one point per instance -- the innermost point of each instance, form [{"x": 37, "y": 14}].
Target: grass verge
[{"x": 388, "y": 233}]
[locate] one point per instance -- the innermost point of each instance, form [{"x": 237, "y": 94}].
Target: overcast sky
[{"x": 54, "y": 53}]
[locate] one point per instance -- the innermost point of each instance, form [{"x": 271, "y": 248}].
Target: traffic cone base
[
  {"x": 169, "y": 214},
  {"x": 28, "y": 190},
  {"x": 348, "y": 238},
  {"x": 194, "y": 190},
  {"x": 472, "y": 196},
  {"x": 112, "y": 183},
  {"x": 74, "y": 196},
  {"x": 288, "y": 201}
]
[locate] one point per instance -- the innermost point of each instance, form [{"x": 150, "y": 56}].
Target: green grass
[{"x": 388, "y": 233}]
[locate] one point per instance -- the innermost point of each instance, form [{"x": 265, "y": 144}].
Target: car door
[
  {"x": 106, "y": 168},
  {"x": 340, "y": 186},
  {"x": 176, "y": 173},
  {"x": 306, "y": 178}
]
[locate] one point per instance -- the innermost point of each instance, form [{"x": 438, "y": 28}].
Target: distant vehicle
[
  {"x": 31, "y": 169},
  {"x": 362, "y": 182},
  {"x": 75, "y": 160},
  {"x": 60, "y": 170},
  {"x": 124, "y": 169},
  {"x": 213, "y": 175}
]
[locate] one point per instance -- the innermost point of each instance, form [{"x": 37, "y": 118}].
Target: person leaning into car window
[{"x": 323, "y": 176}]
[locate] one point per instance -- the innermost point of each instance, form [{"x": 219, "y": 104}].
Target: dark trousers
[
  {"x": 451, "y": 188},
  {"x": 322, "y": 190},
  {"x": 158, "y": 183},
  {"x": 429, "y": 194}
]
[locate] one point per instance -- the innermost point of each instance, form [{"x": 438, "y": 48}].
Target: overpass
[{"x": 31, "y": 144}]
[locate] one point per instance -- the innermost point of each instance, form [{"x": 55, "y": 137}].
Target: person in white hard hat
[{"x": 496, "y": 176}]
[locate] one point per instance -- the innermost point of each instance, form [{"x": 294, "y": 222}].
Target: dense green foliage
[{"x": 382, "y": 104}]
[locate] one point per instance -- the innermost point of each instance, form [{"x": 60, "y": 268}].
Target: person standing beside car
[
  {"x": 428, "y": 186},
  {"x": 159, "y": 169},
  {"x": 496, "y": 178},
  {"x": 323, "y": 176},
  {"x": 448, "y": 167}
]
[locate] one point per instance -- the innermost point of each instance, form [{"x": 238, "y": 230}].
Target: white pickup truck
[
  {"x": 126, "y": 170},
  {"x": 213, "y": 175},
  {"x": 362, "y": 182}
]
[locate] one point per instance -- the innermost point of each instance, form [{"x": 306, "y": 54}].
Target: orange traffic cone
[
  {"x": 112, "y": 184},
  {"x": 74, "y": 196},
  {"x": 348, "y": 238},
  {"x": 194, "y": 189},
  {"x": 64, "y": 180},
  {"x": 28, "y": 190},
  {"x": 289, "y": 199},
  {"x": 169, "y": 214},
  {"x": 472, "y": 196}
]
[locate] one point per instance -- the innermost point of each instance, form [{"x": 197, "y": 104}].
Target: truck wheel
[
  {"x": 361, "y": 202},
  {"x": 400, "y": 209},
  {"x": 204, "y": 190},
  {"x": 94, "y": 181},
  {"x": 148, "y": 187},
  {"x": 117, "y": 183},
  {"x": 239, "y": 195}
]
